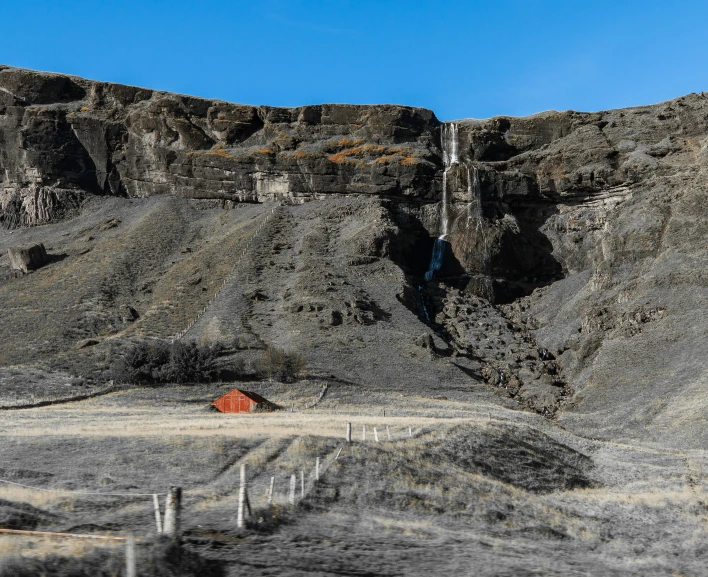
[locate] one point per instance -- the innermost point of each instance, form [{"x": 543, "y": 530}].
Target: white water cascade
[
  {"x": 474, "y": 194},
  {"x": 474, "y": 212},
  {"x": 436, "y": 260},
  {"x": 449, "y": 142}
]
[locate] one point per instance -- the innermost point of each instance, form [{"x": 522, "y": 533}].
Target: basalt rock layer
[{"x": 62, "y": 138}]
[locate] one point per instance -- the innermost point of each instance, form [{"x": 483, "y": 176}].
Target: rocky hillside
[
  {"x": 571, "y": 264},
  {"x": 65, "y": 137}
]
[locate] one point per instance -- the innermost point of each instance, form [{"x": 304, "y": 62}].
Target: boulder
[{"x": 27, "y": 258}]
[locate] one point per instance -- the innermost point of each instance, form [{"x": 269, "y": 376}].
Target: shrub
[
  {"x": 281, "y": 365},
  {"x": 158, "y": 361}
]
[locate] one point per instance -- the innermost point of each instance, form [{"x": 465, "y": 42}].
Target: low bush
[
  {"x": 158, "y": 361},
  {"x": 281, "y": 365}
]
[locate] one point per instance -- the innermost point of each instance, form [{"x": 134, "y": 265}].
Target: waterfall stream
[
  {"x": 474, "y": 212},
  {"x": 474, "y": 194},
  {"x": 449, "y": 142},
  {"x": 436, "y": 260}
]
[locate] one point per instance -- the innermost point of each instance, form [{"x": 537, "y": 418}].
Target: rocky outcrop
[
  {"x": 532, "y": 199},
  {"x": 62, "y": 138},
  {"x": 27, "y": 258}
]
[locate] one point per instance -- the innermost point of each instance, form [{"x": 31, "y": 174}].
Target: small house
[{"x": 237, "y": 401}]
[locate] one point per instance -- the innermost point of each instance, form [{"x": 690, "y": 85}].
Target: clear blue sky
[{"x": 461, "y": 59}]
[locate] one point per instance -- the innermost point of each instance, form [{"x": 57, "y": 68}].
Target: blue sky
[{"x": 461, "y": 59}]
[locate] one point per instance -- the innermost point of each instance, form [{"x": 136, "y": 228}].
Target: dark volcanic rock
[
  {"x": 27, "y": 258},
  {"x": 62, "y": 138},
  {"x": 516, "y": 183}
]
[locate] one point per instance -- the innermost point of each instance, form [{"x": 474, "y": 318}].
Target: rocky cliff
[{"x": 64, "y": 137}]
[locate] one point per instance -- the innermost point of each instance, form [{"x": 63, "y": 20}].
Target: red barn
[{"x": 237, "y": 401}]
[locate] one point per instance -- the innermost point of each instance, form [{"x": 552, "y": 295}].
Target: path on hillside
[{"x": 225, "y": 316}]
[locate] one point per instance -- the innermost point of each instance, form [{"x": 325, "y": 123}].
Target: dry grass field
[{"x": 471, "y": 489}]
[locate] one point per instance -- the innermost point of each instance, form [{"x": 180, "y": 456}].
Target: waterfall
[
  {"x": 436, "y": 260},
  {"x": 474, "y": 212},
  {"x": 444, "y": 217},
  {"x": 449, "y": 142},
  {"x": 474, "y": 195}
]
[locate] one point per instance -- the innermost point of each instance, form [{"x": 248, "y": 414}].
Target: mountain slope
[{"x": 572, "y": 278}]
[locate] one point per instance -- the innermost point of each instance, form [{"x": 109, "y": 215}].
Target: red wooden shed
[{"x": 238, "y": 401}]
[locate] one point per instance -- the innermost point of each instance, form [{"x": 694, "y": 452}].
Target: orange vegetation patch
[
  {"x": 301, "y": 154},
  {"x": 341, "y": 159},
  {"x": 349, "y": 142},
  {"x": 217, "y": 151},
  {"x": 385, "y": 155},
  {"x": 368, "y": 149},
  {"x": 387, "y": 158}
]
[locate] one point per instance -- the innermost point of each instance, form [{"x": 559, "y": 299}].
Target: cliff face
[
  {"x": 513, "y": 195},
  {"x": 62, "y": 138}
]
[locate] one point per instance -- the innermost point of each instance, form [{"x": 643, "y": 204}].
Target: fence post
[
  {"x": 270, "y": 492},
  {"x": 410, "y": 432},
  {"x": 388, "y": 432},
  {"x": 241, "y": 497},
  {"x": 158, "y": 521},
  {"x": 363, "y": 433},
  {"x": 130, "y": 556},
  {"x": 376, "y": 435},
  {"x": 173, "y": 507},
  {"x": 317, "y": 469},
  {"x": 292, "y": 489},
  {"x": 349, "y": 432}
]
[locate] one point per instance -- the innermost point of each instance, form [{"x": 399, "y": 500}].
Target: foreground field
[{"x": 469, "y": 488}]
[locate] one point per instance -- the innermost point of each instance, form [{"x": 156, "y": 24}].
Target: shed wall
[{"x": 234, "y": 403}]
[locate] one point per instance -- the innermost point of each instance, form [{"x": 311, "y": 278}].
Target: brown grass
[
  {"x": 384, "y": 155},
  {"x": 341, "y": 159},
  {"x": 344, "y": 156},
  {"x": 38, "y": 547},
  {"x": 31, "y": 496},
  {"x": 386, "y": 159},
  {"x": 303, "y": 154},
  {"x": 216, "y": 151}
]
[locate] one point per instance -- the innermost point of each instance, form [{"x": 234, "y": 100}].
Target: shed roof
[{"x": 255, "y": 397}]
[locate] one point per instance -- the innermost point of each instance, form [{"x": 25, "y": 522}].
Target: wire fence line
[
  {"x": 72, "y": 492},
  {"x": 35, "y": 403},
  {"x": 299, "y": 479},
  {"x": 54, "y": 534}
]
